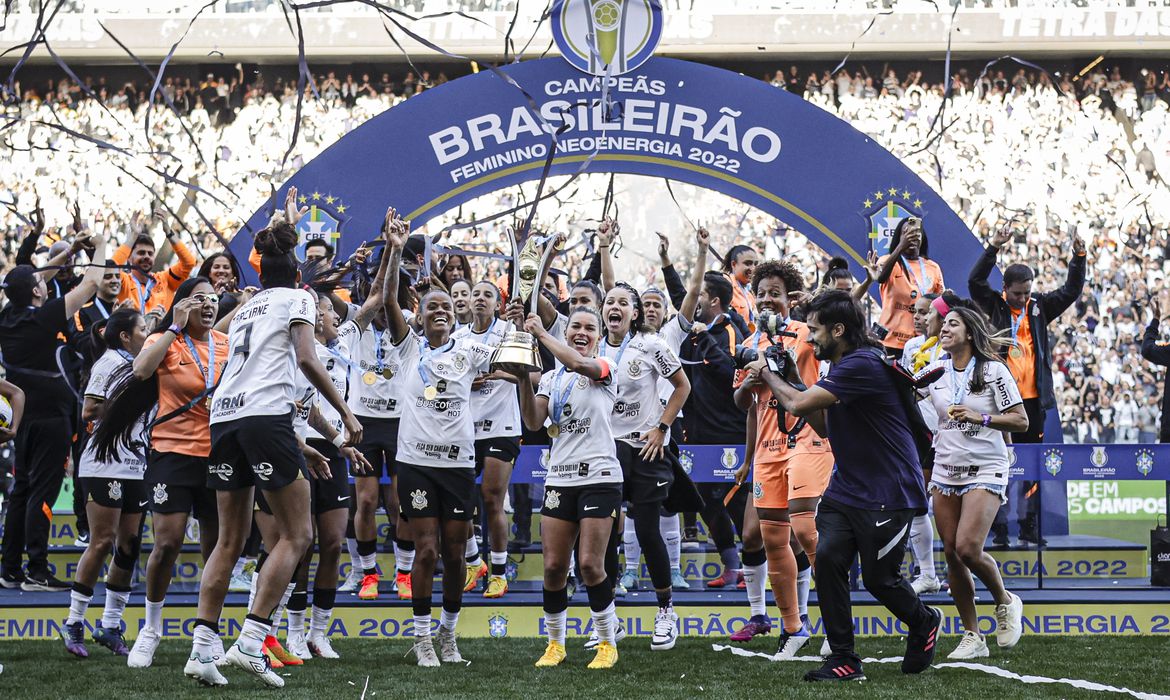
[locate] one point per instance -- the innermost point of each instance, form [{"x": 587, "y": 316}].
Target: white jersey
[
  {"x": 336, "y": 363},
  {"x": 261, "y": 373},
  {"x": 496, "y": 406},
  {"x": 376, "y": 374},
  {"x": 126, "y": 465},
  {"x": 913, "y": 347},
  {"x": 305, "y": 395},
  {"x": 438, "y": 431},
  {"x": 966, "y": 453},
  {"x": 674, "y": 333},
  {"x": 583, "y": 452},
  {"x": 641, "y": 359}
]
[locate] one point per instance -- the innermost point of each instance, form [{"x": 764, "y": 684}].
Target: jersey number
[{"x": 242, "y": 349}]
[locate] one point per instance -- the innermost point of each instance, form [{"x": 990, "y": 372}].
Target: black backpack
[{"x": 907, "y": 386}]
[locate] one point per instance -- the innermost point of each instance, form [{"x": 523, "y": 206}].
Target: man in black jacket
[
  {"x": 1025, "y": 314},
  {"x": 1157, "y": 352}
]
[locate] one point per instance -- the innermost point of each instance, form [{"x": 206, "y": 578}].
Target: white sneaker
[
  {"x": 258, "y": 666},
  {"x": 218, "y": 654},
  {"x": 424, "y": 651},
  {"x": 240, "y": 583},
  {"x": 319, "y": 646},
  {"x": 448, "y": 649},
  {"x": 971, "y": 646},
  {"x": 204, "y": 671},
  {"x": 926, "y": 584},
  {"x": 618, "y": 636},
  {"x": 791, "y": 644},
  {"x": 298, "y": 646},
  {"x": 1007, "y": 618},
  {"x": 665, "y": 630},
  {"x": 352, "y": 582},
  {"x": 142, "y": 653},
  {"x": 826, "y": 650}
]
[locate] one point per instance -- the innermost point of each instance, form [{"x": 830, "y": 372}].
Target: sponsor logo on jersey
[
  {"x": 263, "y": 470},
  {"x": 223, "y": 471}
]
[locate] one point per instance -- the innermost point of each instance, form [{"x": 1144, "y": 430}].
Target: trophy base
[{"x": 516, "y": 354}]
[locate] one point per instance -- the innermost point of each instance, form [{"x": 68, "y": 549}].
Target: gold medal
[
  {"x": 430, "y": 393},
  {"x": 369, "y": 378},
  {"x": 1016, "y": 352},
  {"x": 387, "y": 373},
  {"x": 554, "y": 430}
]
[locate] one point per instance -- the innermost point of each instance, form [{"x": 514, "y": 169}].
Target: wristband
[
  {"x": 175, "y": 329},
  {"x": 338, "y": 440},
  {"x": 664, "y": 428},
  {"x": 986, "y": 420}
]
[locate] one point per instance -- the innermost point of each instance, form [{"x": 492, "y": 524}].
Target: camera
[{"x": 772, "y": 325}]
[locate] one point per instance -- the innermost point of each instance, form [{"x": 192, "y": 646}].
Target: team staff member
[
  {"x": 255, "y": 446},
  {"x": 583, "y": 487},
  {"x": 150, "y": 290},
  {"x": 436, "y": 453},
  {"x": 976, "y": 401},
  {"x": 177, "y": 366},
  {"x": 1025, "y": 315},
  {"x": 117, "y": 499},
  {"x": 876, "y": 489},
  {"x": 1158, "y": 353},
  {"x": 906, "y": 274},
  {"x": 30, "y": 326},
  {"x": 495, "y": 408}
]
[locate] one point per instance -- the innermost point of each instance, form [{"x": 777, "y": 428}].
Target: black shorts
[
  {"x": 575, "y": 503},
  {"x": 505, "y": 449},
  {"x": 259, "y": 451},
  {"x": 379, "y": 445},
  {"x": 646, "y": 482},
  {"x": 127, "y": 495},
  {"x": 330, "y": 494},
  {"x": 177, "y": 483},
  {"x": 446, "y": 493}
]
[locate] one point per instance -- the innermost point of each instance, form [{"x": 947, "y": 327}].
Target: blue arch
[{"x": 675, "y": 119}]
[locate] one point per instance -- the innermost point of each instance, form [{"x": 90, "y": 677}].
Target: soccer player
[
  {"x": 906, "y": 274},
  {"x": 254, "y": 445},
  {"x": 117, "y": 497},
  {"x": 436, "y": 454},
  {"x": 976, "y": 401},
  {"x": 177, "y": 367},
  {"x": 583, "y": 488}
]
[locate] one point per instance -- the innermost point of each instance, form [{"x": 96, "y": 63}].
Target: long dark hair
[
  {"x": 838, "y": 269},
  {"x": 983, "y": 340},
  {"x": 278, "y": 263},
  {"x": 130, "y": 397},
  {"x": 110, "y": 337},
  {"x": 733, "y": 254},
  {"x": 205, "y": 268},
  {"x": 638, "y": 323},
  {"x": 833, "y": 306}
]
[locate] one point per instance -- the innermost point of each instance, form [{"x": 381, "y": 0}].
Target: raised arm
[
  {"x": 691, "y": 300},
  {"x": 533, "y": 408},
  {"x": 376, "y": 297},
  {"x": 590, "y": 367},
  {"x": 871, "y": 273},
  {"x": 76, "y": 297},
  {"x": 396, "y": 234},
  {"x": 977, "y": 284},
  {"x": 314, "y": 371},
  {"x": 606, "y": 232},
  {"x": 1056, "y": 301}
]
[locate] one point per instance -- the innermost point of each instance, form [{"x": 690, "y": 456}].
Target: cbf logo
[
  {"x": 884, "y": 209},
  {"x": 498, "y": 626},
  {"x": 1145, "y": 461},
  {"x": 321, "y": 222},
  {"x": 600, "y": 36},
  {"x": 1053, "y": 461},
  {"x": 687, "y": 460}
]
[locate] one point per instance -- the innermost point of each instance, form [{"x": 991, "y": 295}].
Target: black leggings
[
  {"x": 722, "y": 521},
  {"x": 649, "y": 532}
]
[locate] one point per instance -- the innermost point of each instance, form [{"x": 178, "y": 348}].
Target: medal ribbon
[
  {"x": 209, "y": 372},
  {"x": 426, "y": 353},
  {"x": 746, "y": 295},
  {"x": 960, "y": 382},
  {"x": 101, "y": 308},
  {"x": 143, "y": 296},
  {"x": 921, "y": 280},
  {"x": 379, "y": 353},
  {"x": 126, "y": 356},
  {"x": 561, "y": 395},
  {"x": 621, "y": 350},
  {"x": 1017, "y": 321}
]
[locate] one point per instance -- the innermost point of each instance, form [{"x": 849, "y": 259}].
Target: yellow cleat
[
  {"x": 281, "y": 654},
  {"x": 554, "y": 654},
  {"x": 405, "y": 592},
  {"x": 272, "y": 660},
  {"x": 369, "y": 589},
  {"x": 607, "y": 656},
  {"x": 496, "y": 588},
  {"x": 474, "y": 574}
]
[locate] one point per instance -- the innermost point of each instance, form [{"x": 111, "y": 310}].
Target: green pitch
[{"x": 503, "y": 669}]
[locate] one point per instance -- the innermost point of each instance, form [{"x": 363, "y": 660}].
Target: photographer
[{"x": 877, "y": 485}]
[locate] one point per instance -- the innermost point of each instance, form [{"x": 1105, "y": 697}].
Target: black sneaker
[
  {"x": 921, "y": 644},
  {"x": 837, "y": 668},
  {"x": 999, "y": 537},
  {"x": 44, "y": 582},
  {"x": 12, "y": 579}
]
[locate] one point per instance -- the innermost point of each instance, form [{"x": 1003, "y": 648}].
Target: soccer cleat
[
  {"x": 497, "y": 586},
  {"x": 74, "y": 636},
  {"x": 837, "y": 668},
  {"x": 926, "y": 584},
  {"x": 619, "y": 635},
  {"x": 272, "y": 660},
  {"x": 204, "y": 671},
  {"x": 352, "y": 582},
  {"x": 554, "y": 654},
  {"x": 1007, "y": 622},
  {"x": 240, "y": 583},
  {"x": 677, "y": 582},
  {"x": 921, "y": 644},
  {"x": 259, "y": 666},
  {"x": 218, "y": 655},
  {"x": 474, "y": 573},
  {"x": 607, "y": 656},
  {"x": 741, "y": 584},
  {"x": 272, "y": 644},
  {"x": 619, "y": 591},
  {"x": 82, "y": 540},
  {"x": 791, "y": 643},
  {"x": 726, "y": 578},
  {"x": 298, "y": 646},
  {"x": 571, "y": 587},
  {"x": 826, "y": 650},
  {"x": 369, "y": 589},
  {"x": 402, "y": 583},
  {"x": 45, "y": 582},
  {"x": 319, "y": 646},
  {"x": 628, "y": 580},
  {"x": 142, "y": 653},
  {"x": 665, "y": 630},
  {"x": 424, "y": 651},
  {"x": 448, "y": 648},
  {"x": 971, "y": 646},
  {"x": 111, "y": 639},
  {"x": 756, "y": 626},
  {"x": 11, "y": 579}
]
